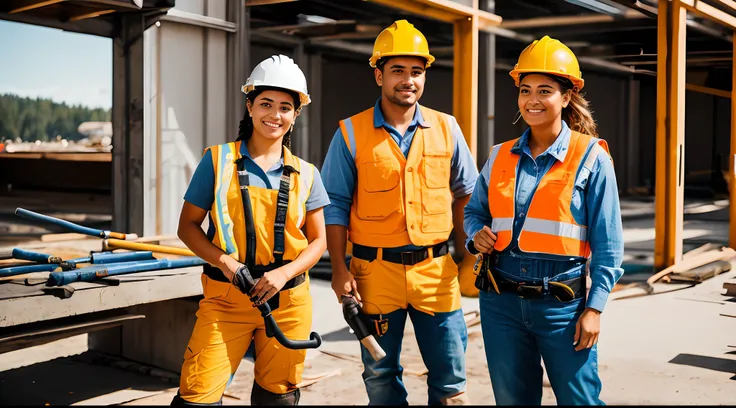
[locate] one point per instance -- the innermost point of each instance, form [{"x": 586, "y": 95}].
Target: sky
[{"x": 45, "y": 62}]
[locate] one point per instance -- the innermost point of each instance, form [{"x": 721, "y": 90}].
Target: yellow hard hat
[
  {"x": 549, "y": 56},
  {"x": 401, "y": 38}
]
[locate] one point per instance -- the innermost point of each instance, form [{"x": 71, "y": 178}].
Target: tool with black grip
[
  {"x": 357, "y": 321},
  {"x": 244, "y": 281}
]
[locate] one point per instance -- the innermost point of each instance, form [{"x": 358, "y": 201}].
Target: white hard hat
[{"x": 279, "y": 71}]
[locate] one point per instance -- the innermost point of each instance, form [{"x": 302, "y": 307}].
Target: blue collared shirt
[
  {"x": 340, "y": 173},
  {"x": 596, "y": 206},
  {"x": 201, "y": 190}
]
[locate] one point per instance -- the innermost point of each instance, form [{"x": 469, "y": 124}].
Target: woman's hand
[
  {"x": 269, "y": 285},
  {"x": 587, "y": 329},
  {"x": 229, "y": 266},
  {"x": 484, "y": 240}
]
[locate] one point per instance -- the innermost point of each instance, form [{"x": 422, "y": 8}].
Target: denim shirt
[
  {"x": 596, "y": 205},
  {"x": 340, "y": 173}
]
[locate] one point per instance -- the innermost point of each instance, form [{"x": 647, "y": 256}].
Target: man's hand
[
  {"x": 587, "y": 329},
  {"x": 484, "y": 240},
  {"x": 269, "y": 285},
  {"x": 343, "y": 283}
]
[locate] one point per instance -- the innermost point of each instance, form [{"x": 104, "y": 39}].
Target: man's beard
[{"x": 401, "y": 102}]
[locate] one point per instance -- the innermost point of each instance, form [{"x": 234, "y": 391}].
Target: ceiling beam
[
  {"x": 538, "y": 22},
  {"x": 251, "y": 3},
  {"x": 34, "y": 6}
]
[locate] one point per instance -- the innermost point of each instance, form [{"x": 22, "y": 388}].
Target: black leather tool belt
[
  {"x": 490, "y": 280},
  {"x": 403, "y": 258}
]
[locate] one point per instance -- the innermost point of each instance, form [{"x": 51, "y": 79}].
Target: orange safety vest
[
  {"x": 228, "y": 214},
  {"x": 549, "y": 227},
  {"x": 400, "y": 201}
]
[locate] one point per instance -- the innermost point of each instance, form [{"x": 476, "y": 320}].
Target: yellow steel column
[
  {"x": 661, "y": 250},
  {"x": 676, "y": 125},
  {"x": 732, "y": 160},
  {"x": 465, "y": 80},
  {"x": 669, "y": 197}
]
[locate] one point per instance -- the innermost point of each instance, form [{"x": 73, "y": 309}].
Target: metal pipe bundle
[{"x": 91, "y": 273}]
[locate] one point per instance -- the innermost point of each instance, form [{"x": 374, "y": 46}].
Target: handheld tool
[
  {"x": 353, "y": 314},
  {"x": 244, "y": 281}
]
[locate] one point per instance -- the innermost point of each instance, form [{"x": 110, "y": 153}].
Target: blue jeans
[
  {"x": 518, "y": 332},
  {"x": 442, "y": 341}
]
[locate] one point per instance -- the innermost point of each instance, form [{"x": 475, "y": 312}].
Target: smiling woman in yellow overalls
[
  {"x": 546, "y": 204},
  {"x": 227, "y": 320}
]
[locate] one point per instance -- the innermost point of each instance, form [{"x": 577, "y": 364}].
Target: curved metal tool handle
[{"x": 273, "y": 330}]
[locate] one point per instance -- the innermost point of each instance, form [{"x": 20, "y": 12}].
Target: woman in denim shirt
[{"x": 544, "y": 214}]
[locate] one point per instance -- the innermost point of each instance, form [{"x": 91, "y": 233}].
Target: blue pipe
[
  {"x": 91, "y": 273},
  {"x": 19, "y": 270},
  {"x": 26, "y": 255},
  {"x": 22, "y": 212},
  {"x": 111, "y": 257},
  {"x": 107, "y": 258}
]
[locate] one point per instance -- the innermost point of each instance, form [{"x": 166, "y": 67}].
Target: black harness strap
[
  {"x": 250, "y": 230},
  {"x": 282, "y": 206}
]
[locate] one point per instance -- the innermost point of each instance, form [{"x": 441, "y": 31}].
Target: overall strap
[
  {"x": 282, "y": 206},
  {"x": 250, "y": 231}
]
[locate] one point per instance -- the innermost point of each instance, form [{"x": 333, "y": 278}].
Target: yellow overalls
[{"x": 226, "y": 321}]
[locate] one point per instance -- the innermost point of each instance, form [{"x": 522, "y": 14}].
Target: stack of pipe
[{"x": 102, "y": 264}]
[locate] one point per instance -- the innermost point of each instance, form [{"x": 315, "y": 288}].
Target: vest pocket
[
  {"x": 378, "y": 193},
  {"x": 436, "y": 172}
]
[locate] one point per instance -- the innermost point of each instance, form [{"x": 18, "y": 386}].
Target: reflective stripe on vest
[
  {"x": 549, "y": 226},
  {"x": 228, "y": 214},
  {"x": 400, "y": 200}
]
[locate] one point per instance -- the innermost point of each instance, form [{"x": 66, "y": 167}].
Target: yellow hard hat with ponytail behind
[
  {"x": 401, "y": 39},
  {"x": 549, "y": 56}
]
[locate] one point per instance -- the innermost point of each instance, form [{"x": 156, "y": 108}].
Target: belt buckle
[{"x": 407, "y": 258}]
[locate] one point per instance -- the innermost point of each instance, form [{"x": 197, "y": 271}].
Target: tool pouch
[{"x": 485, "y": 280}]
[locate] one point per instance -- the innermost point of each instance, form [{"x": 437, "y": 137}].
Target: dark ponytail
[{"x": 245, "y": 129}]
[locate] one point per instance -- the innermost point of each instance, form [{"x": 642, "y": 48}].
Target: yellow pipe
[{"x": 110, "y": 244}]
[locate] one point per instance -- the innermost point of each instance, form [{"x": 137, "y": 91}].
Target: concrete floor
[{"x": 664, "y": 349}]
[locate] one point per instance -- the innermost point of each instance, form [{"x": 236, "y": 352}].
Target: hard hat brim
[
  {"x": 374, "y": 59},
  {"x": 304, "y": 99},
  {"x": 577, "y": 82}
]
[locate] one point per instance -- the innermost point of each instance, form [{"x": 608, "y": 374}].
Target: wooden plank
[
  {"x": 706, "y": 10},
  {"x": 29, "y": 310}
]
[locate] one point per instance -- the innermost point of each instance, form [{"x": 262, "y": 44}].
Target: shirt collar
[
  {"x": 278, "y": 165},
  {"x": 378, "y": 120},
  {"x": 558, "y": 149}
]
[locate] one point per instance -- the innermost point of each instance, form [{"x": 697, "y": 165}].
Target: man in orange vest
[{"x": 391, "y": 173}]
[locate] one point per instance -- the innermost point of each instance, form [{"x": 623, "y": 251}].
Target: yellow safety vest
[{"x": 228, "y": 214}]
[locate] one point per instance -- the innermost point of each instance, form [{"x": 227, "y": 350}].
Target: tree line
[{"x": 30, "y": 119}]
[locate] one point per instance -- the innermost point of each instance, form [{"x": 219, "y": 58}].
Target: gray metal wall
[{"x": 186, "y": 107}]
